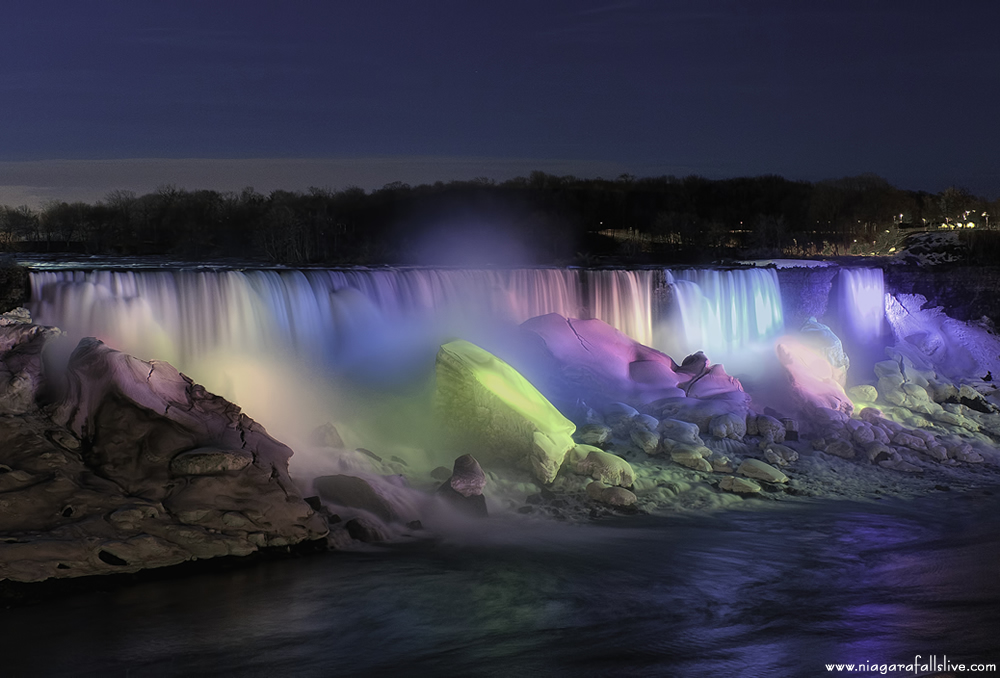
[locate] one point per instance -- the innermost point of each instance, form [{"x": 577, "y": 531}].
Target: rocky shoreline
[{"x": 117, "y": 465}]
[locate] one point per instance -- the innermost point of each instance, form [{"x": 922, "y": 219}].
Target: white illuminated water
[
  {"x": 185, "y": 315},
  {"x": 728, "y": 314},
  {"x": 862, "y": 293},
  {"x": 274, "y": 341}
]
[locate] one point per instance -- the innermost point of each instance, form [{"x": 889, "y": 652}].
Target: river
[{"x": 768, "y": 591}]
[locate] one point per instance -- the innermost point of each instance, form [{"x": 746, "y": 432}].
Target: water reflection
[{"x": 776, "y": 592}]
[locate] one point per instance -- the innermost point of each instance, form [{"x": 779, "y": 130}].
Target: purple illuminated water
[{"x": 753, "y": 594}]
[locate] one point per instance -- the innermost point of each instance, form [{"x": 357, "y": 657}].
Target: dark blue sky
[{"x": 436, "y": 89}]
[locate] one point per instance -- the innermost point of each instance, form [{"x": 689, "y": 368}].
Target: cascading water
[
  {"x": 862, "y": 302},
  {"x": 265, "y": 337},
  {"x": 727, "y": 314},
  {"x": 861, "y": 316}
]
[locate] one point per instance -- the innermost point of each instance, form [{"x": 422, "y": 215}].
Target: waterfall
[
  {"x": 270, "y": 340},
  {"x": 862, "y": 303},
  {"x": 336, "y": 318},
  {"x": 725, "y": 313}
]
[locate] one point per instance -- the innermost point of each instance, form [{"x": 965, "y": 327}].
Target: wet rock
[
  {"x": 354, "y": 492},
  {"x": 211, "y": 481},
  {"x": 441, "y": 473},
  {"x": 963, "y": 451},
  {"x": 472, "y": 505},
  {"x": 467, "y": 477},
  {"x": 619, "y": 417},
  {"x": 326, "y": 435},
  {"x": 645, "y": 422},
  {"x": 727, "y": 446},
  {"x": 364, "y": 530},
  {"x": 721, "y": 463},
  {"x": 680, "y": 431},
  {"x": 368, "y": 453}
]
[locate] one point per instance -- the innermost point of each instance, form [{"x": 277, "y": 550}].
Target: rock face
[
  {"x": 493, "y": 409},
  {"x": 131, "y": 466}
]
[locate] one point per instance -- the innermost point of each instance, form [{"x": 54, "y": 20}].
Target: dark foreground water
[{"x": 773, "y": 592}]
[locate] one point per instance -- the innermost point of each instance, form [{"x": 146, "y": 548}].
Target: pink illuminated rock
[
  {"x": 597, "y": 362},
  {"x": 814, "y": 381}
]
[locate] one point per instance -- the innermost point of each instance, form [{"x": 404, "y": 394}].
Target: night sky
[{"x": 370, "y": 92}]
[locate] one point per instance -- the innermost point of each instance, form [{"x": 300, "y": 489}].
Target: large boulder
[
  {"x": 131, "y": 466},
  {"x": 815, "y": 382},
  {"x": 591, "y": 360},
  {"x": 489, "y": 406}
]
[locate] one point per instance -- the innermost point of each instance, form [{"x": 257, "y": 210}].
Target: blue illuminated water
[{"x": 763, "y": 593}]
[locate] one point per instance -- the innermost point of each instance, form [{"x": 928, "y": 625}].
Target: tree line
[{"x": 555, "y": 219}]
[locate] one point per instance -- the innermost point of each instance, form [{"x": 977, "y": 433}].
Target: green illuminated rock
[{"x": 497, "y": 413}]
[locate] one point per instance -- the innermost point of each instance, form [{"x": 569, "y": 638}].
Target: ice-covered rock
[
  {"x": 680, "y": 431},
  {"x": 646, "y": 440},
  {"x": 754, "y": 468},
  {"x": 814, "y": 380},
  {"x": 739, "y": 485},
  {"x": 863, "y": 393},
  {"x": 593, "y": 434},
  {"x": 603, "y": 466},
  {"x": 780, "y": 455},
  {"x": 490, "y": 407},
  {"x": 729, "y": 425},
  {"x": 768, "y": 428},
  {"x": 692, "y": 457},
  {"x": 822, "y": 340},
  {"x": 840, "y": 448},
  {"x": 612, "y": 496},
  {"x": 593, "y": 360},
  {"x": 877, "y": 452}
]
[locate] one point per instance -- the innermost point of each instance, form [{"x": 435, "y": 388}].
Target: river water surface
[{"x": 775, "y": 591}]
